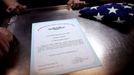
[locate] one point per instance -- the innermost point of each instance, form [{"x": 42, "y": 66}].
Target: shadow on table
[
  {"x": 119, "y": 59},
  {"x": 11, "y": 59},
  {"x": 121, "y": 62},
  {"x": 123, "y": 28}
]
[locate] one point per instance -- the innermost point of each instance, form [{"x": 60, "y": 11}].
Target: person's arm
[
  {"x": 80, "y": 4},
  {"x": 75, "y": 4},
  {"x": 5, "y": 38},
  {"x": 14, "y": 7}
]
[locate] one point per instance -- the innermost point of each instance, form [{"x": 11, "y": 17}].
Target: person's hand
[
  {"x": 75, "y": 4},
  {"x": 5, "y": 38},
  {"x": 16, "y": 8}
]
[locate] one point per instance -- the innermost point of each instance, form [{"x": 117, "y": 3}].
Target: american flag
[{"x": 110, "y": 12}]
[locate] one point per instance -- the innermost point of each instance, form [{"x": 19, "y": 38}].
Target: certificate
[{"x": 60, "y": 47}]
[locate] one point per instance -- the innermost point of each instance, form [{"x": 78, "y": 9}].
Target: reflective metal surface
[{"x": 113, "y": 44}]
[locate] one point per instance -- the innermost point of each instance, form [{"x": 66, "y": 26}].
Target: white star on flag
[
  {"x": 127, "y": 7},
  {"x": 98, "y": 16},
  {"x": 119, "y": 20},
  {"x": 120, "y": 3},
  {"x": 108, "y": 4},
  {"x": 112, "y": 10},
  {"x": 131, "y": 14},
  {"x": 130, "y": 4},
  {"x": 94, "y": 7}
]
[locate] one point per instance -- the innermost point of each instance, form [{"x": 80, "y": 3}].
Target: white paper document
[{"x": 60, "y": 47}]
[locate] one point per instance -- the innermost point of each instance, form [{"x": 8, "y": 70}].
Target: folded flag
[{"x": 111, "y": 12}]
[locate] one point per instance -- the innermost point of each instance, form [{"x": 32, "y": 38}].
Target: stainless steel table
[{"x": 114, "y": 47}]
